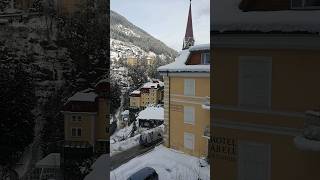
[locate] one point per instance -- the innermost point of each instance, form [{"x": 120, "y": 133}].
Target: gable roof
[
  {"x": 179, "y": 65},
  {"x": 228, "y": 17},
  {"x": 84, "y": 97}
]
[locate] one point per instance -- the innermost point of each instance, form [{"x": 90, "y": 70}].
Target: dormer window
[
  {"x": 305, "y": 4},
  {"x": 205, "y": 58}
]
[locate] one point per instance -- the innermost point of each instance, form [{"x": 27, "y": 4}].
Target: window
[
  {"x": 188, "y": 113},
  {"x": 73, "y": 118},
  {"x": 254, "y": 161},
  {"x": 188, "y": 141},
  {"x": 205, "y": 58},
  {"x": 189, "y": 87},
  {"x": 305, "y": 4},
  {"x": 76, "y": 132},
  {"x": 79, "y": 132},
  {"x": 79, "y": 118},
  {"x": 255, "y": 81}
]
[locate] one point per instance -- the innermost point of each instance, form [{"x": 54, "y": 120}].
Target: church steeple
[{"x": 188, "y": 38}]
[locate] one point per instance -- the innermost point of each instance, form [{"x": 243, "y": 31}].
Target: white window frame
[
  {"x": 203, "y": 58},
  {"x": 190, "y": 109},
  {"x": 187, "y": 91},
  {"x": 254, "y": 58},
  {"x": 76, "y": 131},
  {"x": 185, "y": 145}
]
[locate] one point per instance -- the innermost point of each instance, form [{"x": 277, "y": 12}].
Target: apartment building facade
[
  {"x": 186, "y": 96},
  {"x": 151, "y": 93},
  {"x": 263, "y": 84},
  {"x": 86, "y": 115}
]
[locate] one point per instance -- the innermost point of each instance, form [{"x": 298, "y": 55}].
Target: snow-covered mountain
[{"x": 130, "y": 40}]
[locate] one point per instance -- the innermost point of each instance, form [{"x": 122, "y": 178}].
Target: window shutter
[
  {"x": 79, "y": 132},
  {"x": 189, "y": 87},
  {"x": 189, "y": 115},
  {"x": 255, "y": 81},
  {"x": 189, "y": 141},
  {"x": 73, "y": 132}
]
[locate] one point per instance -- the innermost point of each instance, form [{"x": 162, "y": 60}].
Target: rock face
[{"x": 129, "y": 40}]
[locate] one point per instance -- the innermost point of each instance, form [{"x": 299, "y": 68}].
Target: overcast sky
[{"x": 166, "y": 20}]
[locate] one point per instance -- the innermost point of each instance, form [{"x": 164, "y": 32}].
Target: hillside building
[
  {"x": 132, "y": 61},
  {"x": 86, "y": 115},
  {"x": 186, "y": 97},
  {"x": 149, "y": 93}
]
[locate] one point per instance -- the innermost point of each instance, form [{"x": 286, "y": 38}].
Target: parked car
[
  {"x": 150, "y": 138},
  {"x": 146, "y": 173}
]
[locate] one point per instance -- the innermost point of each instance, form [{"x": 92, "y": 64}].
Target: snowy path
[{"x": 125, "y": 156}]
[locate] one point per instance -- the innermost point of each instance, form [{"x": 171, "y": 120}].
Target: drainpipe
[{"x": 169, "y": 108}]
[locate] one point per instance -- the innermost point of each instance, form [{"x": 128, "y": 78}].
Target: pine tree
[{"x": 17, "y": 100}]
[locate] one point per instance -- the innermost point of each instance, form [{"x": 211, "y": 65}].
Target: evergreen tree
[{"x": 17, "y": 100}]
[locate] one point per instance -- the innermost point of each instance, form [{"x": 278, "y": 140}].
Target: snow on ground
[
  {"x": 121, "y": 141},
  {"x": 168, "y": 163},
  {"x": 120, "y": 146}
]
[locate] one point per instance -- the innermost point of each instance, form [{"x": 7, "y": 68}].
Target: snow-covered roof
[
  {"x": 50, "y": 161},
  {"x": 135, "y": 92},
  {"x": 200, "y": 47},
  {"x": 85, "y": 97},
  {"x": 153, "y": 84},
  {"x": 228, "y": 17},
  {"x": 125, "y": 112},
  {"x": 152, "y": 113},
  {"x": 179, "y": 65},
  {"x": 168, "y": 163}
]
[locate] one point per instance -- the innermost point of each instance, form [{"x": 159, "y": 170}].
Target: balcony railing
[
  {"x": 310, "y": 138},
  {"x": 206, "y": 132},
  {"x": 312, "y": 125},
  {"x": 206, "y": 103}
]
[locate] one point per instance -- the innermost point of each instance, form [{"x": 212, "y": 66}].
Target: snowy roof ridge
[
  {"x": 228, "y": 17},
  {"x": 152, "y": 113},
  {"x": 135, "y": 92},
  {"x": 83, "y": 96},
  {"x": 179, "y": 65}
]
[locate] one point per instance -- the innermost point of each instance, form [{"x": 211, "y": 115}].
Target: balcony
[
  {"x": 310, "y": 138},
  {"x": 206, "y": 103}
]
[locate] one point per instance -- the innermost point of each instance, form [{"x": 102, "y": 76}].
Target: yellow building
[
  {"x": 150, "y": 60},
  {"x": 186, "y": 101},
  {"x": 132, "y": 61},
  {"x": 85, "y": 119},
  {"x": 263, "y": 85},
  {"x": 135, "y": 99},
  {"x": 151, "y": 93}
]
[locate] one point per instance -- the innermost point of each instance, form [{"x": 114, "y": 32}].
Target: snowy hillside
[{"x": 129, "y": 40}]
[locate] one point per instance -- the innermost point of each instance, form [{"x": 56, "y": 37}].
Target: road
[{"x": 125, "y": 156}]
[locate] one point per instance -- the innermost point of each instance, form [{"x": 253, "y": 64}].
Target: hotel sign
[{"x": 224, "y": 148}]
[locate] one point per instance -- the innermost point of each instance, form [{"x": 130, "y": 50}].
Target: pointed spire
[{"x": 188, "y": 38}]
